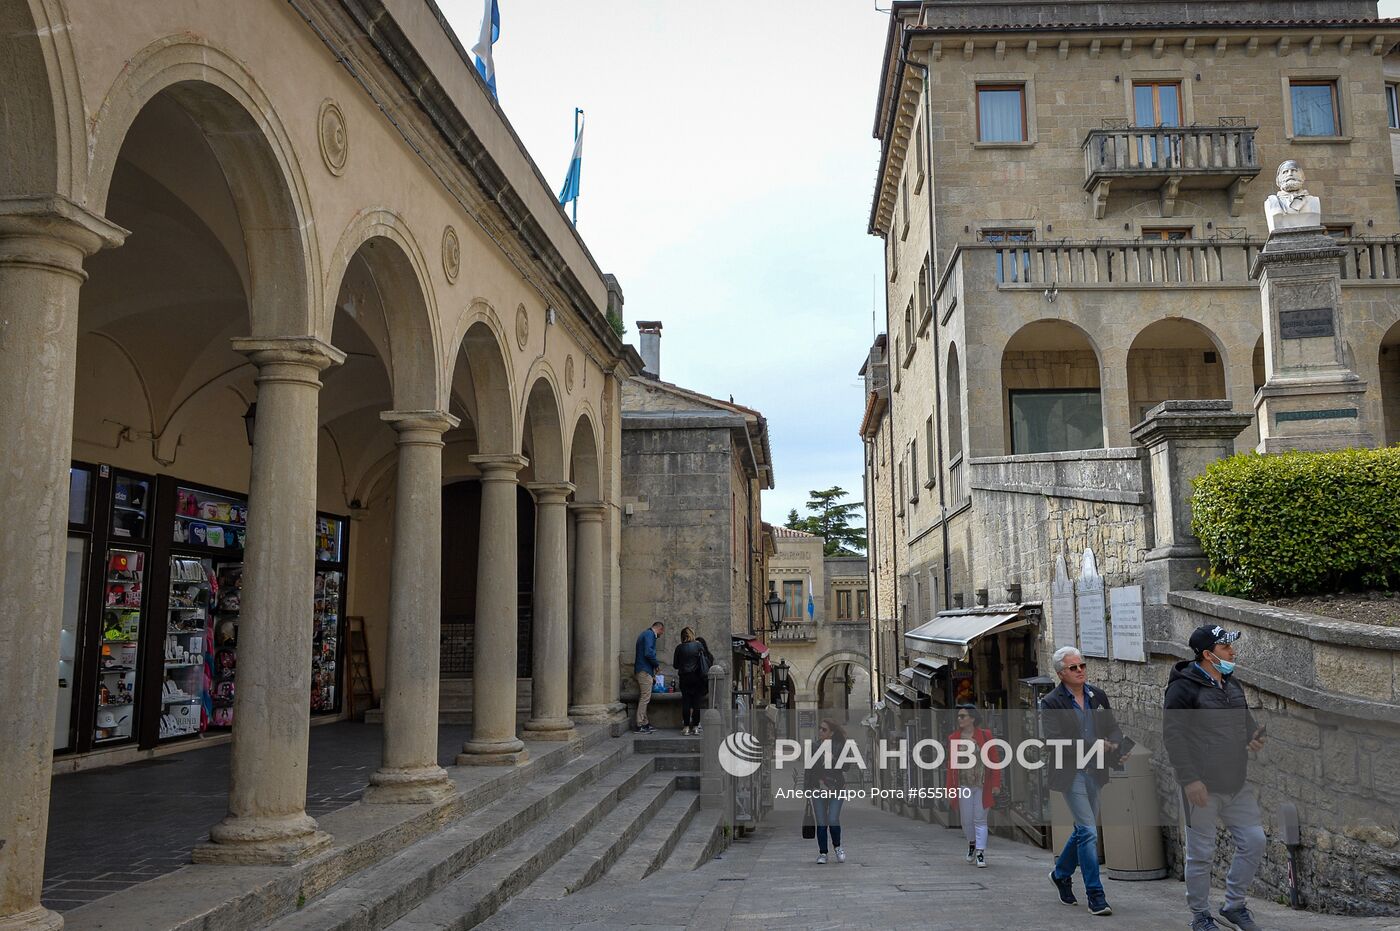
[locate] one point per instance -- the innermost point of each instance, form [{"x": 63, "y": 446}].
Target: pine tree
[{"x": 830, "y": 519}]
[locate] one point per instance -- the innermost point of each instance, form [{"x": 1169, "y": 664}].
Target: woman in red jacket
[{"x": 982, "y": 780}]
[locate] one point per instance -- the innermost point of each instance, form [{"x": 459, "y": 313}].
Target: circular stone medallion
[
  {"x": 522, "y": 326},
  {"x": 335, "y": 143},
  {"x": 569, "y": 374},
  {"x": 451, "y": 254}
]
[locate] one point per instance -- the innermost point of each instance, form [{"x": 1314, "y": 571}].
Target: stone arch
[
  {"x": 43, "y": 138},
  {"x": 256, "y": 156},
  {"x": 542, "y": 421},
  {"x": 583, "y": 459},
  {"x": 1175, "y": 359},
  {"x": 383, "y": 240},
  {"x": 483, "y": 389},
  {"x": 1050, "y": 370},
  {"x": 835, "y": 658},
  {"x": 1389, "y": 368},
  {"x": 953, "y": 402}
]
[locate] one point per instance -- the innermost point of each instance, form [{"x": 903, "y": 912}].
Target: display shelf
[
  {"x": 183, "y": 665},
  {"x": 116, "y": 704},
  {"x": 115, "y": 670},
  {"x": 118, "y": 642},
  {"x": 210, "y": 520},
  {"x": 128, "y": 507},
  {"x": 183, "y": 700}
]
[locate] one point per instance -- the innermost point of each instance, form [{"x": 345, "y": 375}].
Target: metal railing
[
  {"x": 957, "y": 482},
  {"x": 1184, "y": 150},
  {"x": 791, "y": 632}
]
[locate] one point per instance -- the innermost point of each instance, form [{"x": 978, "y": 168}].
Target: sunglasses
[{"x": 1077, "y": 666}]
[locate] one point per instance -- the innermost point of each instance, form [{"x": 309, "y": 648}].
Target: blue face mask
[{"x": 1224, "y": 665}]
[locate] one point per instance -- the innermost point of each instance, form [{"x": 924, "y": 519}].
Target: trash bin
[{"x": 1131, "y": 823}]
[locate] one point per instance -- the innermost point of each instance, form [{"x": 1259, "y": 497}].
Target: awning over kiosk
[
  {"x": 924, "y": 669},
  {"x": 949, "y": 634},
  {"x": 900, "y": 696}
]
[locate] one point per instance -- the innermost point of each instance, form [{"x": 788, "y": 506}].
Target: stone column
[
  {"x": 590, "y": 642},
  {"x": 493, "y": 740},
  {"x": 267, "y": 820},
  {"x": 43, "y": 242},
  {"x": 409, "y": 771},
  {"x": 549, "y": 710},
  {"x": 1182, "y": 438}
]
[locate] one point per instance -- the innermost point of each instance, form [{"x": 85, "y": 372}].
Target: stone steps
[
  {"x": 701, "y": 840},
  {"x": 655, "y": 845},
  {"x": 375, "y": 897},
  {"x": 477, "y": 893},
  {"x": 610, "y": 839}
]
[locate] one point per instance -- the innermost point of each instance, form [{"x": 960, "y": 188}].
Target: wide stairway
[{"x": 618, "y": 812}]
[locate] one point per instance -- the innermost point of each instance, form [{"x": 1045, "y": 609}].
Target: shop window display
[{"x": 121, "y": 630}]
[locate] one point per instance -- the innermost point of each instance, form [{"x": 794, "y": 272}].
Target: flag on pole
[
  {"x": 811, "y": 605},
  {"x": 490, "y": 32},
  {"x": 569, "y": 194}
]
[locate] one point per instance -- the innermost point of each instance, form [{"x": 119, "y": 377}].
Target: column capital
[
  {"x": 425, "y": 427},
  {"x": 53, "y": 216},
  {"x": 588, "y": 510},
  {"x": 1190, "y": 420},
  {"x": 298, "y": 351},
  {"x": 498, "y": 468},
  {"x": 551, "y": 492}
]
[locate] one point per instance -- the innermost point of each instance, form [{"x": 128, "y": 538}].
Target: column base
[
  {"x": 591, "y": 714},
  {"x": 33, "y": 919},
  {"x": 428, "y": 785},
  {"x": 550, "y": 729},
  {"x": 263, "y": 841},
  {"x": 509, "y": 752}
]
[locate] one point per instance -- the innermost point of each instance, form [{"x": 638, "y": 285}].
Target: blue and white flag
[
  {"x": 569, "y": 194},
  {"x": 811, "y": 605},
  {"x": 490, "y": 32}
]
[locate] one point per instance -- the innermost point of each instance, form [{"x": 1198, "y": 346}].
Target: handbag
[{"x": 809, "y": 823}]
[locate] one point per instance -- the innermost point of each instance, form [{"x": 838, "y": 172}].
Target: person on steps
[
  {"x": 693, "y": 669},
  {"x": 646, "y": 667}
]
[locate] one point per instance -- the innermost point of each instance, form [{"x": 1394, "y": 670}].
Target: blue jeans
[
  {"x": 1082, "y": 848},
  {"x": 828, "y": 814}
]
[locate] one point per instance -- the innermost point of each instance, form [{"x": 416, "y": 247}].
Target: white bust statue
[{"x": 1291, "y": 206}]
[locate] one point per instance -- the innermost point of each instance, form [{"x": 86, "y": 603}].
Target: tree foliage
[{"x": 830, "y": 519}]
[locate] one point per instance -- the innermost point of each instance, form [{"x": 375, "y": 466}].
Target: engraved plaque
[{"x": 1304, "y": 324}]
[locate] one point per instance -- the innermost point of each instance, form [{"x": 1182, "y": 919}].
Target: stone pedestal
[
  {"x": 549, "y": 696},
  {"x": 493, "y": 740},
  {"x": 267, "y": 820},
  {"x": 409, "y": 771},
  {"x": 43, "y": 242},
  {"x": 591, "y": 702},
  {"x": 1182, "y": 438},
  {"x": 1311, "y": 399}
]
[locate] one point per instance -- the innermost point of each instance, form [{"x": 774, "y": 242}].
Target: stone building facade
[
  {"x": 827, "y": 651},
  {"x": 693, "y": 552},
  {"x": 318, "y": 207}
]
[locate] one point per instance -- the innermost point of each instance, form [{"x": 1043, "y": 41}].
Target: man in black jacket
[
  {"x": 1078, "y": 712},
  {"x": 1209, "y": 731}
]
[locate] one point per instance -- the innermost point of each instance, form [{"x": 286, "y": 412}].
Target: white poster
[
  {"x": 1062, "y": 606},
  {"x": 1093, "y": 629},
  {"x": 1126, "y": 604}
]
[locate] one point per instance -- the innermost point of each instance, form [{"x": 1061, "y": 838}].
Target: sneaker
[
  {"x": 697, "y": 730},
  {"x": 685, "y": 732},
  {"x": 981, "y": 859},
  {"x": 821, "y": 858},
  {"x": 646, "y": 729},
  {"x": 971, "y": 851},
  {"x": 1098, "y": 905},
  {"x": 1066, "y": 889},
  {"x": 840, "y": 854},
  {"x": 1238, "y": 918},
  {"x": 1204, "y": 922}
]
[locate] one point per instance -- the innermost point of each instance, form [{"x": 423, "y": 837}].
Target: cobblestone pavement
[
  {"x": 112, "y": 828},
  {"x": 900, "y": 874}
]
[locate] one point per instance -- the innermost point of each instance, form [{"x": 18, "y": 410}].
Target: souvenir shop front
[{"x": 149, "y": 644}]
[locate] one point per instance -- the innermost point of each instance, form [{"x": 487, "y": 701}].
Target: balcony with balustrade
[{"x": 1169, "y": 159}]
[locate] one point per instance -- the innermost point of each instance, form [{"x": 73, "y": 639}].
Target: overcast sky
[{"x": 728, "y": 167}]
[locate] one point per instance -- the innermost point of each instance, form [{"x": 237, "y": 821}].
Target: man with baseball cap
[{"x": 1209, "y": 731}]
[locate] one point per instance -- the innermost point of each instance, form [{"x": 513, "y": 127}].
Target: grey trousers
[{"x": 1240, "y": 814}]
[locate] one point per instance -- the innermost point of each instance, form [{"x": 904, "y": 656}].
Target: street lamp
[
  {"x": 780, "y": 683},
  {"x": 250, "y": 418},
  {"x": 775, "y": 607}
]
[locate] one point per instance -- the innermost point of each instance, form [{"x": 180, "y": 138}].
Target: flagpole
[{"x": 577, "y": 113}]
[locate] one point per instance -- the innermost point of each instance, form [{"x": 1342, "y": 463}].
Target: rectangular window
[
  {"x": 914, "y": 470},
  {"x": 919, "y": 157},
  {"x": 1157, "y": 103},
  {"x": 1392, "y": 105},
  {"x": 1169, "y": 233},
  {"x": 863, "y": 605},
  {"x": 904, "y": 202},
  {"x": 1009, "y": 269},
  {"x": 793, "y": 602},
  {"x": 843, "y": 605},
  {"x": 932, "y": 466},
  {"x": 1338, "y": 230},
  {"x": 1001, "y": 113},
  {"x": 1055, "y": 420},
  {"x": 1315, "y": 108},
  {"x": 903, "y": 489}
]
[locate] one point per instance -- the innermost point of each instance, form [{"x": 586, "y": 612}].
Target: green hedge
[{"x": 1301, "y": 522}]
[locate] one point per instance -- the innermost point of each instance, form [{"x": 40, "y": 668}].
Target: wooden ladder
[{"x": 361, "y": 681}]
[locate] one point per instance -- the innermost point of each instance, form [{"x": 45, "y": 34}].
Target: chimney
[{"x": 650, "y": 331}]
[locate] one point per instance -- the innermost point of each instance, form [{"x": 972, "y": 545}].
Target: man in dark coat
[
  {"x": 1079, "y": 712},
  {"x": 1208, "y": 731}
]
